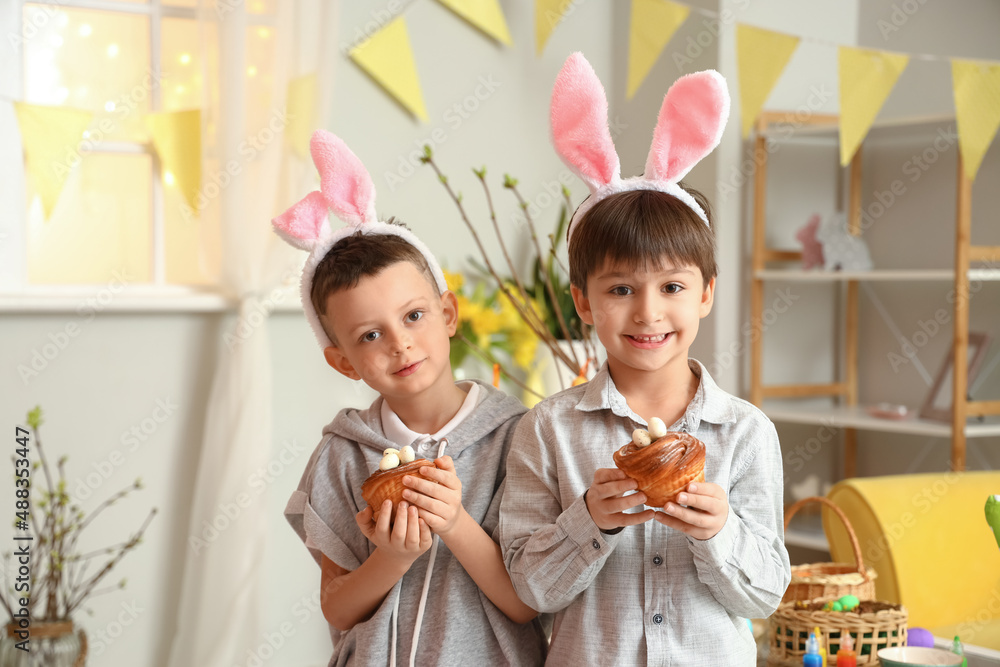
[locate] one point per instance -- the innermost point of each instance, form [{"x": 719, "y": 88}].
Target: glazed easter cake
[
  {"x": 386, "y": 483},
  {"x": 662, "y": 463}
]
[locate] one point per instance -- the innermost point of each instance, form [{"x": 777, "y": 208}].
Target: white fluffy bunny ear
[
  {"x": 690, "y": 125},
  {"x": 579, "y": 121},
  {"x": 305, "y": 223},
  {"x": 345, "y": 182}
]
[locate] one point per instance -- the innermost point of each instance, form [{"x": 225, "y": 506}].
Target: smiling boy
[
  {"x": 390, "y": 328},
  {"x": 628, "y": 585},
  {"x": 632, "y": 585},
  {"x": 427, "y": 586}
]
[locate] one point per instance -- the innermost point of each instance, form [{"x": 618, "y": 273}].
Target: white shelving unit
[
  {"x": 895, "y": 275},
  {"x": 824, "y": 411},
  {"x": 836, "y": 403}
]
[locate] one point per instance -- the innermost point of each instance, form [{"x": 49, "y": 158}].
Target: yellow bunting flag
[
  {"x": 977, "y": 109},
  {"x": 652, "y": 25},
  {"x": 548, "y": 14},
  {"x": 177, "y": 138},
  {"x": 762, "y": 56},
  {"x": 387, "y": 57},
  {"x": 866, "y": 79},
  {"x": 301, "y": 107},
  {"x": 50, "y": 136},
  {"x": 483, "y": 14}
]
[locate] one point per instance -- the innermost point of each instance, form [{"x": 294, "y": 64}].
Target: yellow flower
[
  {"x": 468, "y": 310},
  {"x": 486, "y": 323},
  {"x": 455, "y": 281},
  {"x": 525, "y": 347}
]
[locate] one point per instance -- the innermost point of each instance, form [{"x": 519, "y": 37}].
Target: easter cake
[
  {"x": 386, "y": 483},
  {"x": 662, "y": 463}
]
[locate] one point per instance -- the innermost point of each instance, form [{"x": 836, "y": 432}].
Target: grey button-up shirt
[{"x": 648, "y": 595}]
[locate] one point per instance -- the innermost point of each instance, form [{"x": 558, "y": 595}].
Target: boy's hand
[
  {"x": 606, "y": 503},
  {"x": 439, "y": 504},
  {"x": 405, "y": 540},
  {"x": 705, "y": 514}
]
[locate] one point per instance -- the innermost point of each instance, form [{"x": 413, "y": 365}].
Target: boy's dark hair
[
  {"x": 640, "y": 229},
  {"x": 359, "y": 256}
]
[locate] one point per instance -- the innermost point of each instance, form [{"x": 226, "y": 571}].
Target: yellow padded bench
[{"x": 927, "y": 538}]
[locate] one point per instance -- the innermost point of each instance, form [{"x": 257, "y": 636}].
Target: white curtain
[{"x": 221, "y": 604}]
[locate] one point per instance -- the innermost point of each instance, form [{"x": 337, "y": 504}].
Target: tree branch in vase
[{"x": 545, "y": 288}]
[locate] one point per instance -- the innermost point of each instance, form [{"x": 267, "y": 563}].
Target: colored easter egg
[
  {"x": 919, "y": 637},
  {"x": 848, "y": 602}
]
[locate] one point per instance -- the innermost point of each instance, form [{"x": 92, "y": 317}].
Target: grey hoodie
[{"x": 460, "y": 626}]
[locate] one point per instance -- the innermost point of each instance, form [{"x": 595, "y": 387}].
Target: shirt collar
[
  {"x": 710, "y": 403},
  {"x": 399, "y": 433}
]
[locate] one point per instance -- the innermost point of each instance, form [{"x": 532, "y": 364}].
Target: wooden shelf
[
  {"x": 972, "y": 263},
  {"x": 901, "y": 275},
  {"x": 824, "y": 412},
  {"x": 786, "y": 126}
]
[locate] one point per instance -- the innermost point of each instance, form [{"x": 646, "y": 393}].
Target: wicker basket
[
  {"x": 830, "y": 580},
  {"x": 789, "y": 628}
]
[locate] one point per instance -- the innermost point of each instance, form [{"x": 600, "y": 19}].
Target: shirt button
[
  {"x": 657, "y": 560},
  {"x": 658, "y": 618},
  {"x": 597, "y": 545}
]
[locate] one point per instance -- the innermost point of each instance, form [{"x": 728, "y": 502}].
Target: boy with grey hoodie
[{"x": 430, "y": 586}]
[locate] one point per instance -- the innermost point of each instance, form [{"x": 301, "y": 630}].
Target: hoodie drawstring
[{"x": 442, "y": 444}]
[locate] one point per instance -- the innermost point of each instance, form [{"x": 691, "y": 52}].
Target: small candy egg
[
  {"x": 641, "y": 437},
  {"x": 836, "y": 606},
  {"x": 848, "y": 602},
  {"x": 390, "y": 450},
  {"x": 388, "y": 462},
  {"x": 657, "y": 429},
  {"x": 406, "y": 454},
  {"x": 919, "y": 637}
]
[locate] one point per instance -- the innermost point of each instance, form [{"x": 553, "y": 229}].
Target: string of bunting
[
  {"x": 54, "y": 139},
  {"x": 867, "y": 76},
  {"x": 383, "y": 50}
]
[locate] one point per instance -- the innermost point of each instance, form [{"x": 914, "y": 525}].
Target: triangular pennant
[
  {"x": 548, "y": 14},
  {"x": 483, "y": 14},
  {"x": 50, "y": 136},
  {"x": 762, "y": 56},
  {"x": 301, "y": 108},
  {"x": 652, "y": 25},
  {"x": 177, "y": 138},
  {"x": 977, "y": 109},
  {"x": 866, "y": 79},
  {"x": 387, "y": 57}
]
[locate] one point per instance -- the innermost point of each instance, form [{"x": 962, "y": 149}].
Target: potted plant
[
  {"x": 544, "y": 303},
  {"x": 48, "y": 578}
]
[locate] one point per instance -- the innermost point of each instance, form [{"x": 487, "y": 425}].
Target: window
[{"x": 120, "y": 215}]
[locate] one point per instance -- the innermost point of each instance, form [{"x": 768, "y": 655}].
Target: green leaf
[
  {"x": 509, "y": 181},
  {"x": 35, "y": 417}
]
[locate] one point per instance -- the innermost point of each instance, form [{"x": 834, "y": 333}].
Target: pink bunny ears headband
[
  {"x": 346, "y": 188},
  {"x": 690, "y": 124}
]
